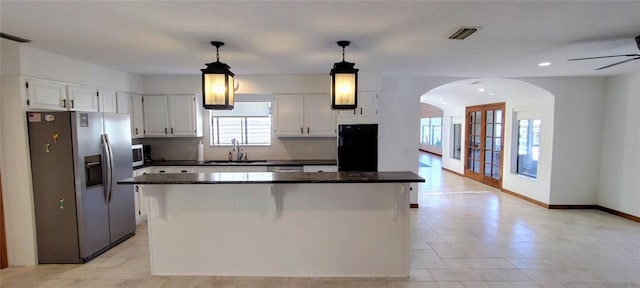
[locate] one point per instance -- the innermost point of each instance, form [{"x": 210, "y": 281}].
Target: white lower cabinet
[
  {"x": 214, "y": 169},
  {"x": 319, "y": 168},
  {"x": 140, "y": 201}
]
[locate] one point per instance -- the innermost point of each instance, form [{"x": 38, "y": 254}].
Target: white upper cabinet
[
  {"x": 307, "y": 115},
  {"x": 172, "y": 116},
  {"x": 182, "y": 115},
  {"x": 51, "y": 95},
  {"x": 319, "y": 118},
  {"x": 123, "y": 101},
  {"x": 156, "y": 116},
  {"x": 107, "y": 101},
  {"x": 132, "y": 104},
  {"x": 137, "y": 117},
  {"x": 288, "y": 115},
  {"x": 366, "y": 112},
  {"x": 82, "y": 98},
  {"x": 46, "y": 95}
]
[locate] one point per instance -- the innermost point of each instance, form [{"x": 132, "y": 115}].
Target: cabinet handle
[
  {"x": 307, "y": 130},
  {"x": 301, "y": 130},
  {"x": 136, "y": 131},
  {"x": 165, "y": 130},
  {"x": 354, "y": 111},
  {"x": 184, "y": 171},
  {"x": 360, "y": 110},
  {"x": 64, "y": 103},
  {"x": 162, "y": 171},
  {"x": 171, "y": 130},
  {"x": 72, "y": 105}
]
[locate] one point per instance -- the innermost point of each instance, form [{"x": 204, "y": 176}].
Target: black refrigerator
[
  {"x": 76, "y": 160},
  {"x": 358, "y": 147}
]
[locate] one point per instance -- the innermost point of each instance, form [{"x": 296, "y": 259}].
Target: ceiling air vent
[
  {"x": 14, "y": 38},
  {"x": 463, "y": 33}
]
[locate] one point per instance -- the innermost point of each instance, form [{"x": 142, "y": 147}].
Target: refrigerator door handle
[{"x": 109, "y": 155}]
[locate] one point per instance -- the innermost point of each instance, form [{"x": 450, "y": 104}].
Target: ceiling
[{"x": 391, "y": 37}]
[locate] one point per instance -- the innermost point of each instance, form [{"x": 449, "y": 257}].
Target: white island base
[{"x": 305, "y": 230}]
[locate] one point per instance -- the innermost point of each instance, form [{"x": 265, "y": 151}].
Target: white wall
[
  {"x": 576, "y": 137},
  {"x": 620, "y": 154},
  {"x": 14, "y": 156},
  {"x": 576, "y": 129}
]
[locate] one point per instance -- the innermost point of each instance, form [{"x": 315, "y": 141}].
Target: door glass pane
[
  {"x": 498, "y": 129},
  {"x": 487, "y": 143},
  {"x": 476, "y": 142},
  {"x": 487, "y": 157},
  {"x": 489, "y": 116},
  {"x": 476, "y": 166},
  {"x": 477, "y": 118},
  {"x": 489, "y": 130},
  {"x": 496, "y": 157},
  {"x": 487, "y": 170},
  {"x": 476, "y": 154},
  {"x": 498, "y": 116},
  {"x": 497, "y": 146},
  {"x": 477, "y": 130},
  {"x": 495, "y": 172}
]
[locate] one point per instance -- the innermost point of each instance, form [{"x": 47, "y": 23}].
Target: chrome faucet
[{"x": 239, "y": 151}]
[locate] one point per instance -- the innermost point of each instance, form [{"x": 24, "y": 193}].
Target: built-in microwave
[{"x": 137, "y": 154}]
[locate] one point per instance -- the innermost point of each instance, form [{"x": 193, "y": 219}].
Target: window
[
  {"x": 431, "y": 131},
  {"x": 248, "y": 122},
  {"x": 457, "y": 141},
  {"x": 528, "y": 147}
]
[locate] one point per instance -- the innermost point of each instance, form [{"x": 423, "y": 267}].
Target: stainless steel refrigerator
[{"x": 76, "y": 160}]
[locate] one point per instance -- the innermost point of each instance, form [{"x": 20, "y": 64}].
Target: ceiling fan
[{"x": 636, "y": 57}]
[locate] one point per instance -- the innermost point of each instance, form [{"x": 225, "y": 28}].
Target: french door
[{"x": 484, "y": 142}]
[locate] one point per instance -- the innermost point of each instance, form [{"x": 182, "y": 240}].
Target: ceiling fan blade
[
  {"x": 587, "y": 58},
  {"x": 618, "y": 63}
]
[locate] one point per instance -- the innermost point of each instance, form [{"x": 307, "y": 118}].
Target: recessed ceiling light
[
  {"x": 490, "y": 93},
  {"x": 441, "y": 99},
  {"x": 445, "y": 103},
  {"x": 544, "y": 64},
  {"x": 481, "y": 90}
]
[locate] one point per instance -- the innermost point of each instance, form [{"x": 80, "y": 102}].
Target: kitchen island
[{"x": 279, "y": 224}]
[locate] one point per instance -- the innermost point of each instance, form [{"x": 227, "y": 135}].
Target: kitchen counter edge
[{"x": 274, "y": 178}]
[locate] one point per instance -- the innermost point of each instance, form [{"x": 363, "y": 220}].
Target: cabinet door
[
  {"x": 368, "y": 104},
  {"x": 289, "y": 115},
  {"x": 320, "y": 168},
  {"x": 155, "y": 116},
  {"x": 107, "y": 101},
  {"x": 320, "y": 120},
  {"x": 161, "y": 169},
  {"x": 46, "y": 95},
  {"x": 82, "y": 98},
  {"x": 137, "y": 116},
  {"x": 366, "y": 112},
  {"x": 123, "y": 103},
  {"x": 182, "y": 115}
]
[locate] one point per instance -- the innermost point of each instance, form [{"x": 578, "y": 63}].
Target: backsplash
[{"x": 280, "y": 149}]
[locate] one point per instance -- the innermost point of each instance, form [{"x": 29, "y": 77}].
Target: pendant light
[
  {"x": 217, "y": 84},
  {"x": 344, "y": 83}
]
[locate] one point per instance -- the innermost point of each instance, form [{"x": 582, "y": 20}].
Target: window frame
[{"x": 244, "y": 131}]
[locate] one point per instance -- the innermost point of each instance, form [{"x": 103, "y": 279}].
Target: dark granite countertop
[
  {"x": 274, "y": 177},
  {"x": 237, "y": 163}
]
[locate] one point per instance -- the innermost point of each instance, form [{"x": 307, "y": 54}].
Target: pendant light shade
[
  {"x": 344, "y": 83},
  {"x": 217, "y": 84}
]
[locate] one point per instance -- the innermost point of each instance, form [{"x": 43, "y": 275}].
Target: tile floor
[{"x": 465, "y": 234}]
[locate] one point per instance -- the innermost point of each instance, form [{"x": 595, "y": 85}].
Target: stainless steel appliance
[
  {"x": 358, "y": 147},
  {"x": 76, "y": 160},
  {"x": 137, "y": 155}
]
